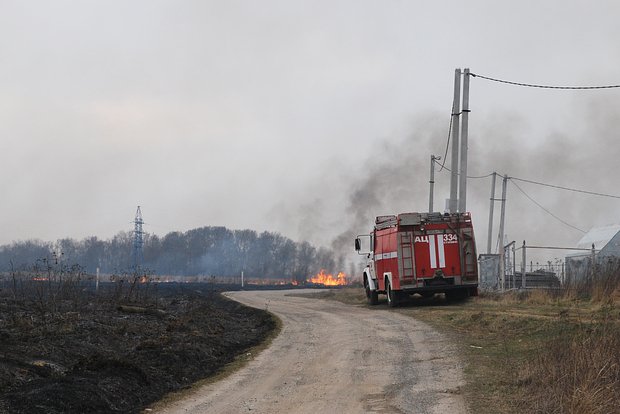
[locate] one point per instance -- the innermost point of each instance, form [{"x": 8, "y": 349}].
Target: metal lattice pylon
[{"x": 138, "y": 241}]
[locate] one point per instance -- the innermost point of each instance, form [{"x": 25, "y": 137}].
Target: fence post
[
  {"x": 523, "y": 271},
  {"x": 502, "y": 267},
  {"x": 514, "y": 266},
  {"x": 593, "y": 261}
]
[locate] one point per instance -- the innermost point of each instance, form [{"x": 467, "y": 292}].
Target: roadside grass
[{"x": 534, "y": 352}]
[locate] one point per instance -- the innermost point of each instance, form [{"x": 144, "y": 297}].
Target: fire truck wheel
[
  {"x": 392, "y": 297},
  {"x": 371, "y": 295}
]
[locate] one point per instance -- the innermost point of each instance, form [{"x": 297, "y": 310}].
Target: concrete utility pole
[
  {"x": 454, "y": 176},
  {"x": 514, "y": 264},
  {"x": 432, "y": 183},
  {"x": 523, "y": 266},
  {"x": 500, "y": 238},
  {"x": 491, "y": 206},
  {"x": 464, "y": 136}
]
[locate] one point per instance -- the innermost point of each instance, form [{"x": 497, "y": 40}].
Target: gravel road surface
[{"x": 337, "y": 358}]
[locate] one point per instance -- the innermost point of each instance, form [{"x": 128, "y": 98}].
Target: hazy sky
[{"x": 280, "y": 115}]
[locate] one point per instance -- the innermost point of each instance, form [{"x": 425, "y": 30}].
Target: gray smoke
[
  {"x": 583, "y": 153},
  {"x": 393, "y": 179}
]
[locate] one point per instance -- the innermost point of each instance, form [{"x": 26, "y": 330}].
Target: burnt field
[{"x": 66, "y": 348}]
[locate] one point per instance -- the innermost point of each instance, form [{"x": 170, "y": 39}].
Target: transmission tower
[{"x": 138, "y": 241}]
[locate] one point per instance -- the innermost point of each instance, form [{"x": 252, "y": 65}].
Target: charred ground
[{"x": 64, "y": 348}]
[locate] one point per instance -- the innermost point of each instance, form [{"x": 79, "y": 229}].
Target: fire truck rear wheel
[
  {"x": 392, "y": 297},
  {"x": 371, "y": 295}
]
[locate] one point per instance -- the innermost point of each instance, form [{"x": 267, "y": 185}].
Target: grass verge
[{"x": 530, "y": 352}]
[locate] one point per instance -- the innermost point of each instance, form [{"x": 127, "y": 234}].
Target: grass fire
[{"x": 327, "y": 279}]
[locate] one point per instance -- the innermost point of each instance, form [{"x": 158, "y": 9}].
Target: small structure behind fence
[
  {"x": 489, "y": 271},
  {"x": 534, "y": 267}
]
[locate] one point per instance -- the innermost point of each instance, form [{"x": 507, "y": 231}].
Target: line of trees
[{"x": 214, "y": 251}]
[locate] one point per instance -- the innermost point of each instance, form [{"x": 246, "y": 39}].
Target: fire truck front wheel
[
  {"x": 392, "y": 296},
  {"x": 371, "y": 295}
]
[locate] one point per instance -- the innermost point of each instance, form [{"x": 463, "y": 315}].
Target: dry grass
[
  {"x": 578, "y": 372},
  {"x": 602, "y": 287},
  {"x": 578, "y": 369},
  {"x": 606, "y": 287}
]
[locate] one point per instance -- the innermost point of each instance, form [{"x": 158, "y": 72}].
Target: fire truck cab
[{"x": 424, "y": 253}]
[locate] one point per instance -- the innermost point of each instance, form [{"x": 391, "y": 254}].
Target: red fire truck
[{"x": 424, "y": 253}]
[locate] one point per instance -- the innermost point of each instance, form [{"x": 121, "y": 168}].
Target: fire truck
[{"x": 423, "y": 253}]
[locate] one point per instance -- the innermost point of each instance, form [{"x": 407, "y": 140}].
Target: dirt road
[{"x": 337, "y": 358}]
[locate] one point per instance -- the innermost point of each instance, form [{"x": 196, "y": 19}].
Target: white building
[{"x": 606, "y": 241}]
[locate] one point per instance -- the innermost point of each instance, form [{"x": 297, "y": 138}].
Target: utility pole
[
  {"x": 454, "y": 177},
  {"x": 491, "y": 206},
  {"x": 432, "y": 183},
  {"x": 523, "y": 267},
  {"x": 502, "y": 253},
  {"x": 464, "y": 137}
]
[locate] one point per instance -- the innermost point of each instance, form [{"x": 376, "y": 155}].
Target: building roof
[{"x": 600, "y": 236}]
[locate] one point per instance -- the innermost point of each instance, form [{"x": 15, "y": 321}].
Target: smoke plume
[{"x": 394, "y": 178}]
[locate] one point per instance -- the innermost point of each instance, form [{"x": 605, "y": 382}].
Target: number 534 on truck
[{"x": 423, "y": 253}]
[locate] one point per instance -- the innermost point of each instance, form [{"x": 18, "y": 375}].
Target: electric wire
[
  {"x": 445, "y": 155},
  {"x": 447, "y": 145},
  {"x": 576, "y": 190},
  {"x": 531, "y": 85},
  {"x": 546, "y": 210},
  {"x": 470, "y": 176}
]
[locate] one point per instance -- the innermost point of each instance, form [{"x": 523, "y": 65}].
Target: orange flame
[{"x": 328, "y": 279}]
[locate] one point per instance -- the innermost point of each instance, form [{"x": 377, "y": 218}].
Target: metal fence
[{"x": 535, "y": 267}]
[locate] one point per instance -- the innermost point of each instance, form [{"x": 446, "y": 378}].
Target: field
[
  {"x": 66, "y": 348},
  {"x": 531, "y": 352}
]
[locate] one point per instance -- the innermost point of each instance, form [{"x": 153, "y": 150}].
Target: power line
[
  {"x": 566, "y": 188},
  {"x": 530, "y": 85},
  {"x": 547, "y": 211},
  {"x": 445, "y": 155},
  {"x": 575, "y": 190},
  {"x": 475, "y": 177},
  {"x": 470, "y": 176},
  {"x": 447, "y": 145}
]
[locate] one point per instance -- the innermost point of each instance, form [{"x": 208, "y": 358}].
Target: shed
[{"x": 606, "y": 241}]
